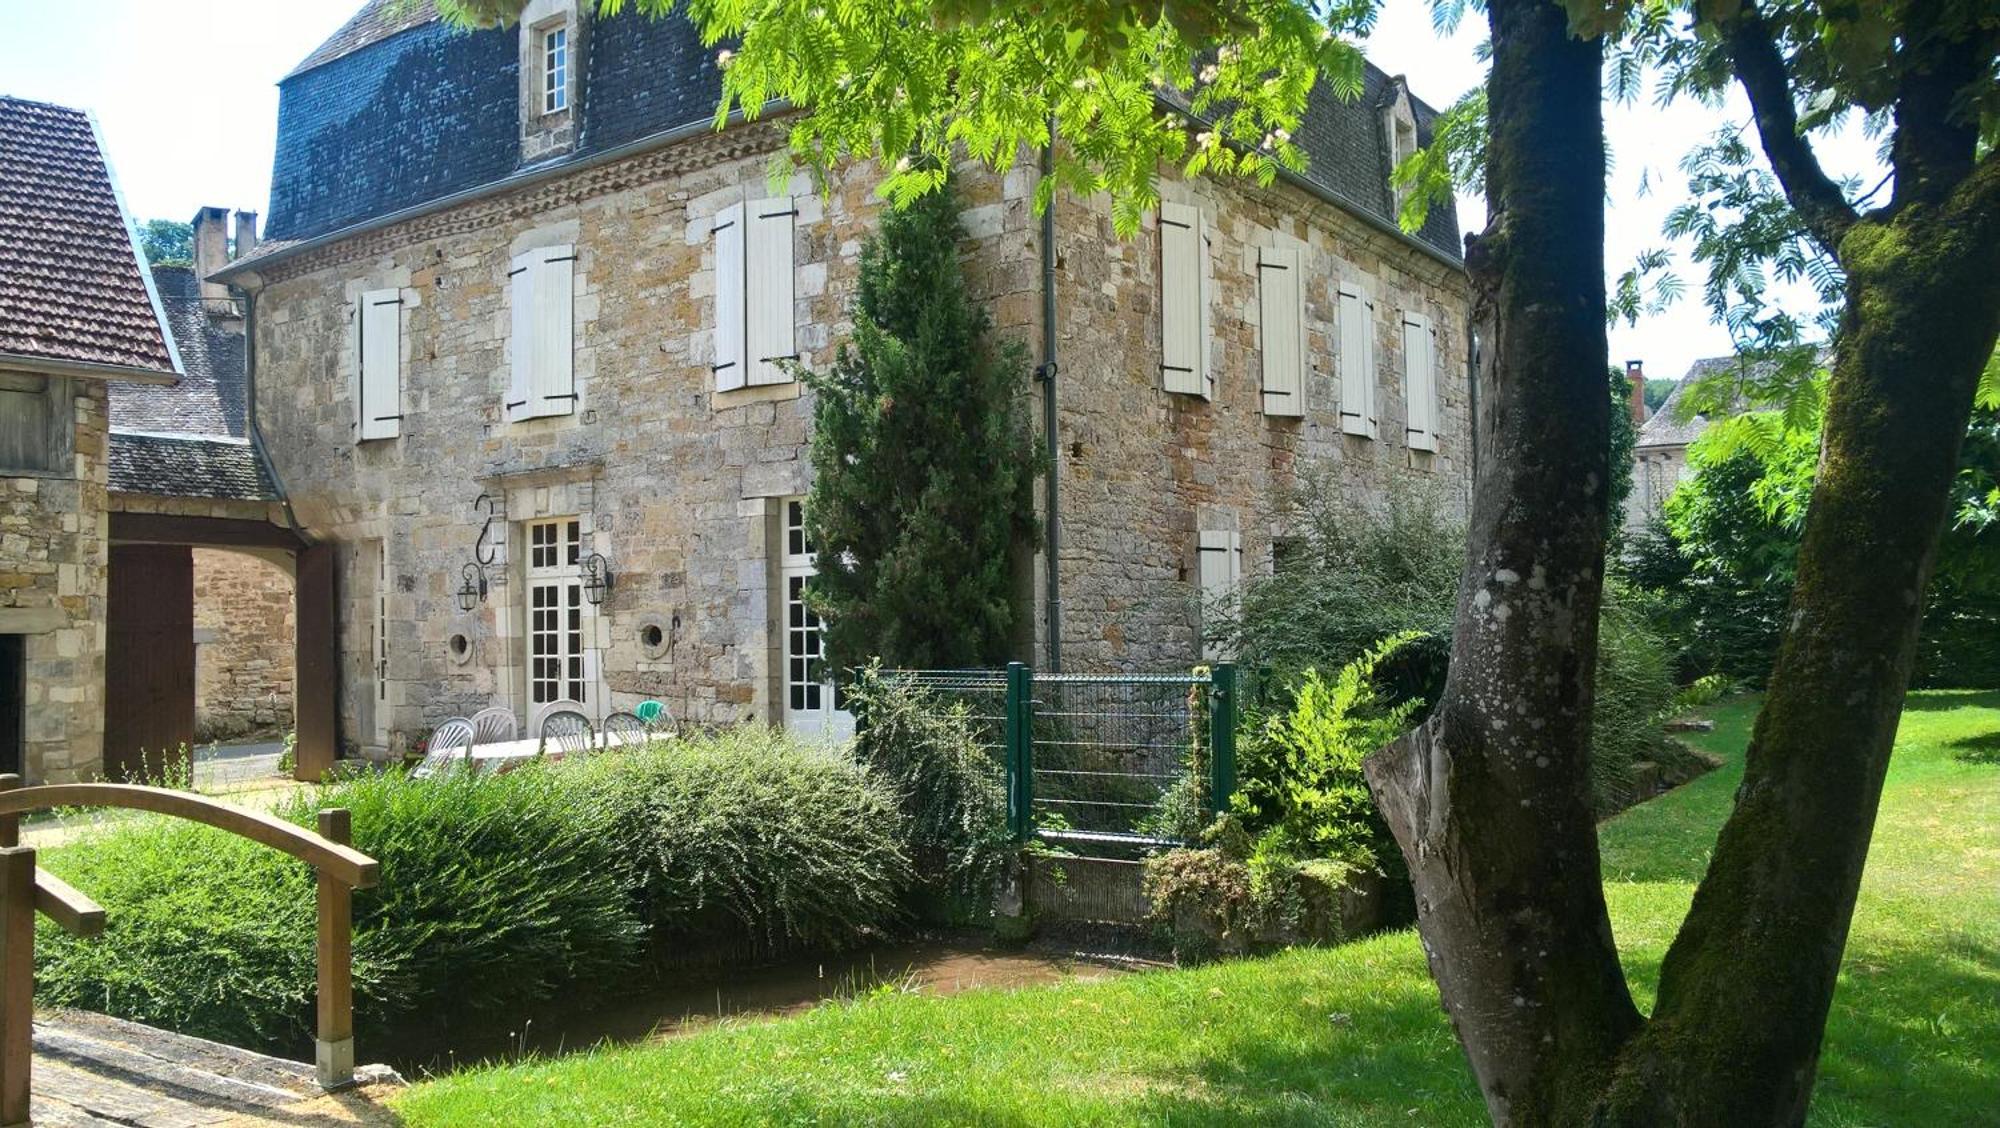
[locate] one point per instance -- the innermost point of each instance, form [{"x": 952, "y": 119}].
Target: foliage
[
  {"x": 1721, "y": 566},
  {"x": 1658, "y": 388},
  {"x": 1635, "y": 693},
  {"x": 167, "y": 242},
  {"x": 1913, "y": 1040},
  {"x": 951, "y": 792},
  {"x": 912, "y": 83},
  {"x": 1301, "y": 789},
  {"x": 499, "y": 894},
  {"x": 1624, "y": 439},
  {"x": 923, "y": 462}
]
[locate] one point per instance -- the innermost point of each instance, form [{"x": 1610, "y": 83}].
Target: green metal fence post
[
  {"x": 1020, "y": 749},
  {"x": 1222, "y": 696}
]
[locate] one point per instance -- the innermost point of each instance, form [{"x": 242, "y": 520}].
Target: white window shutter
[
  {"x": 1183, "y": 366},
  {"x": 554, "y": 384},
  {"x": 730, "y": 370},
  {"x": 1220, "y": 570},
  {"x": 521, "y": 278},
  {"x": 771, "y": 328},
  {"x": 379, "y": 407},
  {"x": 354, "y": 364},
  {"x": 1207, "y": 302},
  {"x": 1281, "y": 322},
  {"x": 1419, "y": 382},
  {"x": 1356, "y": 350}
]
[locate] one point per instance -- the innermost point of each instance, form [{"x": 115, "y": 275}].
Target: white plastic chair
[
  {"x": 495, "y": 725},
  {"x": 450, "y": 746}
]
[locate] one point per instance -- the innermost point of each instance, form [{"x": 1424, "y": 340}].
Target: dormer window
[{"x": 555, "y": 69}]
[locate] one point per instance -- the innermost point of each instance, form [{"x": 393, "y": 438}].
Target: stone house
[
  {"x": 513, "y": 328},
  {"x": 77, "y": 313}
]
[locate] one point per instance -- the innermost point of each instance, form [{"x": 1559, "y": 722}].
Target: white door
[
  {"x": 558, "y": 659},
  {"x": 811, "y": 705}
]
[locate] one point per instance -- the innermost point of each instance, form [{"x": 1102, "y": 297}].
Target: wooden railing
[{"x": 24, "y": 889}]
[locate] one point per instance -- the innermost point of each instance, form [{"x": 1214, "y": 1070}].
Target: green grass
[{"x": 1352, "y": 1035}]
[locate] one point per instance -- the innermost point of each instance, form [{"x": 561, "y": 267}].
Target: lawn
[{"x": 1352, "y": 1035}]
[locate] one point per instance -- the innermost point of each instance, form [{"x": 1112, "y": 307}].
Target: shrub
[
  {"x": 1301, "y": 788},
  {"x": 748, "y": 841},
  {"x": 1352, "y": 576},
  {"x": 951, "y": 792},
  {"x": 1635, "y": 693},
  {"x": 499, "y": 893}
]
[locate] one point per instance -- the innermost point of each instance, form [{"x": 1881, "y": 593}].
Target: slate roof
[
  {"x": 209, "y": 398},
  {"x": 188, "y": 466},
  {"x": 1663, "y": 429},
  {"x": 70, "y": 282},
  {"x": 398, "y": 109}
]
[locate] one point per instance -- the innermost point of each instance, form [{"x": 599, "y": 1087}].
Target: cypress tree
[{"x": 923, "y": 461}]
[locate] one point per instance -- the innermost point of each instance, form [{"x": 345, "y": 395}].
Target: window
[
  {"x": 541, "y": 378},
  {"x": 378, "y": 365},
  {"x": 1357, "y": 362},
  {"x": 556, "y": 657},
  {"x": 1420, "y": 381},
  {"x": 35, "y": 424},
  {"x": 1281, "y": 318},
  {"x": 812, "y": 703},
  {"x": 1184, "y": 299},
  {"x": 755, "y": 312},
  {"x": 555, "y": 70}
]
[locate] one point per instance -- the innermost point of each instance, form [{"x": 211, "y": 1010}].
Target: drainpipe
[
  {"x": 1046, "y": 373},
  {"x": 250, "y": 429}
]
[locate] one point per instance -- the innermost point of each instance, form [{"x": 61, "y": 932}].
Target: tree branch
[{"x": 1761, "y": 70}]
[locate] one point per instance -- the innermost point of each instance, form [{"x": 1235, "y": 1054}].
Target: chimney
[
  {"x": 211, "y": 253},
  {"x": 1635, "y": 375},
  {"x": 246, "y": 233}
]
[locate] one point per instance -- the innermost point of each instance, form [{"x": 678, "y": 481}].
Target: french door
[{"x": 811, "y": 705}]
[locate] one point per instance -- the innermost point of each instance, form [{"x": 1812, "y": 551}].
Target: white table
[{"x": 505, "y": 754}]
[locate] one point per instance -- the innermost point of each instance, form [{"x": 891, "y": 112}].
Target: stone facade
[
  {"x": 682, "y": 488},
  {"x": 53, "y": 565},
  {"x": 243, "y": 622}
]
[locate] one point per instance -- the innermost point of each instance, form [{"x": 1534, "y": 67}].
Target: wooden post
[
  {"x": 315, "y": 664},
  {"x": 333, "y": 1048},
  {"x": 10, "y": 825},
  {"x": 17, "y": 982}
]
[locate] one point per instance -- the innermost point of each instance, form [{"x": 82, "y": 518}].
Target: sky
[{"x": 185, "y": 92}]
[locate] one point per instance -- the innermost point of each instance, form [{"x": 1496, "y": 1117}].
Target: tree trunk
[
  {"x": 1489, "y": 800},
  {"x": 1746, "y": 986}
]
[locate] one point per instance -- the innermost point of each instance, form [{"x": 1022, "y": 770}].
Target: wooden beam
[
  {"x": 17, "y": 982},
  {"x": 221, "y": 532},
  {"x": 58, "y": 900},
  {"x": 316, "y": 664},
  {"x": 344, "y": 863}
]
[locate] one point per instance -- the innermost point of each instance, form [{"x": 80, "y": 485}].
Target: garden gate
[{"x": 1104, "y": 759}]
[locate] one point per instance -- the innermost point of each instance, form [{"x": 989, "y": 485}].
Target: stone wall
[
  {"x": 53, "y": 563},
  {"x": 243, "y": 622},
  {"x": 680, "y": 487},
  {"x": 1145, "y": 470}
]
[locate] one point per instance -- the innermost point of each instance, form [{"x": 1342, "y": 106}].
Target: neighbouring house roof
[
  {"x": 209, "y": 400},
  {"x": 72, "y": 290},
  {"x": 1664, "y": 428},
  {"x": 188, "y": 466},
  {"x": 398, "y": 109}
]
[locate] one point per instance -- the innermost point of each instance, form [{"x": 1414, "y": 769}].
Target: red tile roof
[{"x": 70, "y": 285}]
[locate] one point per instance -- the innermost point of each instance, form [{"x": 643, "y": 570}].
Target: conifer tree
[{"x": 923, "y": 461}]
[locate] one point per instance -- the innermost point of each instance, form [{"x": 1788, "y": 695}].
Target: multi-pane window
[
  {"x": 555, "y": 70},
  {"x": 804, "y": 688},
  {"x": 555, "y": 612}
]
